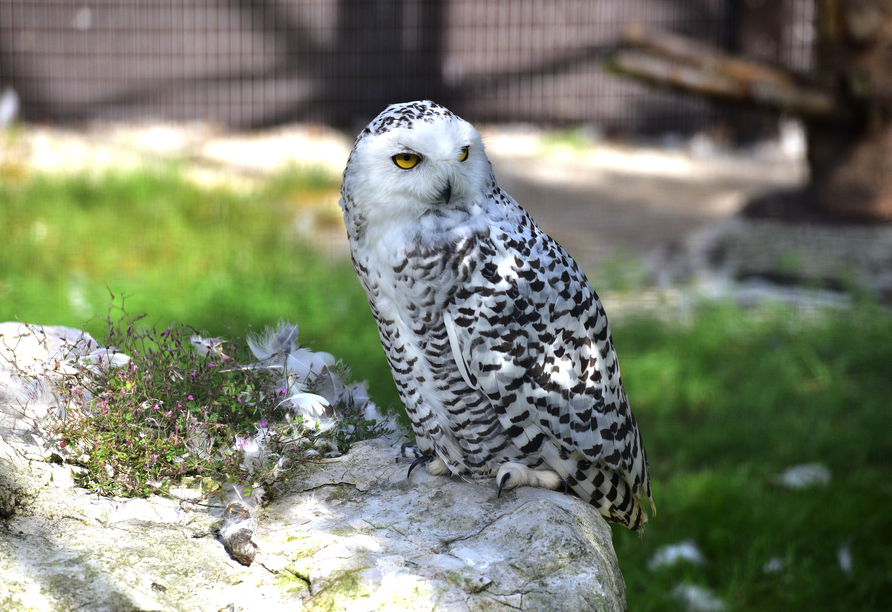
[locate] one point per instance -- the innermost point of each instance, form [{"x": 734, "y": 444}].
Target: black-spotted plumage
[{"x": 498, "y": 345}]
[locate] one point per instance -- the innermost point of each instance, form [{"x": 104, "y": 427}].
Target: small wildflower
[
  {"x": 156, "y": 407},
  {"x": 191, "y": 398}
]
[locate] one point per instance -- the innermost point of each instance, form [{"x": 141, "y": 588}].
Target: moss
[
  {"x": 291, "y": 582},
  {"x": 341, "y": 491},
  {"x": 467, "y": 579},
  {"x": 296, "y": 538},
  {"x": 306, "y": 547},
  {"x": 343, "y": 532},
  {"x": 344, "y": 588}
]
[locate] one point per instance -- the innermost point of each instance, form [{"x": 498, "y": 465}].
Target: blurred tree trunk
[{"x": 851, "y": 158}]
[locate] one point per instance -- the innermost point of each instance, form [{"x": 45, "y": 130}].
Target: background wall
[{"x": 249, "y": 63}]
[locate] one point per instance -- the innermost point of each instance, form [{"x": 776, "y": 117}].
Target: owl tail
[{"x": 614, "y": 498}]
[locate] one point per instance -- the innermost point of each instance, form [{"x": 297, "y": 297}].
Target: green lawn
[
  {"x": 724, "y": 403},
  {"x": 729, "y": 402}
]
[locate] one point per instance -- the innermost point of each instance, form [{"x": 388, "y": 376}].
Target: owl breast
[{"x": 412, "y": 278}]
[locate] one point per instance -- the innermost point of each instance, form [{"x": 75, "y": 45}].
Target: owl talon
[
  {"x": 422, "y": 459},
  {"x": 502, "y": 482}
]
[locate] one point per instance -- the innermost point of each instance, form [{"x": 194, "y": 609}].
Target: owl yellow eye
[
  {"x": 463, "y": 155},
  {"x": 406, "y": 160}
]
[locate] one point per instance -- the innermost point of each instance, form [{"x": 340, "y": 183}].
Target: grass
[
  {"x": 215, "y": 259},
  {"x": 724, "y": 403},
  {"x": 729, "y": 402}
]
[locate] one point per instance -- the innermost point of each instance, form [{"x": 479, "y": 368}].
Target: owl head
[{"x": 413, "y": 159}]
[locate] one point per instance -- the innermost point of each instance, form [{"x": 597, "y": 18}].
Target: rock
[
  {"x": 346, "y": 533},
  {"x": 437, "y": 543},
  {"x": 33, "y": 361}
]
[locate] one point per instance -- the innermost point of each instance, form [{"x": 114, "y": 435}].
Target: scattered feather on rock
[
  {"x": 238, "y": 527},
  {"x": 208, "y": 346},
  {"x": 314, "y": 382},
  {"x": 35, "y": 361}
]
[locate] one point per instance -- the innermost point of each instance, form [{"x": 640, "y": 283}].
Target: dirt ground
[{"x": 604, "y": 201}]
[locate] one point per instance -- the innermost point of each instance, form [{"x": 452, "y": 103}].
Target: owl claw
[
  {"x": 502, "y": 482},
  {"x": 563, "y": 482},
  {"x": 422, "y": 459}
]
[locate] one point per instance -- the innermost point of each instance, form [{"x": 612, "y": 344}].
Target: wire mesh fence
[{"x": 248, "y": 63}]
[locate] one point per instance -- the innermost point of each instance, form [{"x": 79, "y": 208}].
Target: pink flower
[{"x": 191, "y": 398}]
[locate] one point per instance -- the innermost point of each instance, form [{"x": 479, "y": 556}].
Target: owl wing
[{"x": 530, "y": 333}]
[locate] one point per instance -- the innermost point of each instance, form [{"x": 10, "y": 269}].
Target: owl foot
[
  {"x": 513, "y": 475},
  {"x": 435, "y": 465},
  {"x": 409, "y": 450}
]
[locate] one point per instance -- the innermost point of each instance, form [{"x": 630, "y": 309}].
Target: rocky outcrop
[{"x": 349, "y": 533}]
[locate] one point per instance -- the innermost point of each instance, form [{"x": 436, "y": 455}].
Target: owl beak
[{"x": 446, "y": 192}]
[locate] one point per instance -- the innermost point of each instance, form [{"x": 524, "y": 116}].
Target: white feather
[
  {"x": 456, "y": 348},
  {"x": 274, "y": 342}
]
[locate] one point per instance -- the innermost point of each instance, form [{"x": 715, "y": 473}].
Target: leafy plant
[{"x": 140, "y": 425}]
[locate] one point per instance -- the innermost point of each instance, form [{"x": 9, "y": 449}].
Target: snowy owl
[{"x": 498, "y": 344}]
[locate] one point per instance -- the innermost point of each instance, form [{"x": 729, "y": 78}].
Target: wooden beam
[{"x": 669, "y": 60}]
